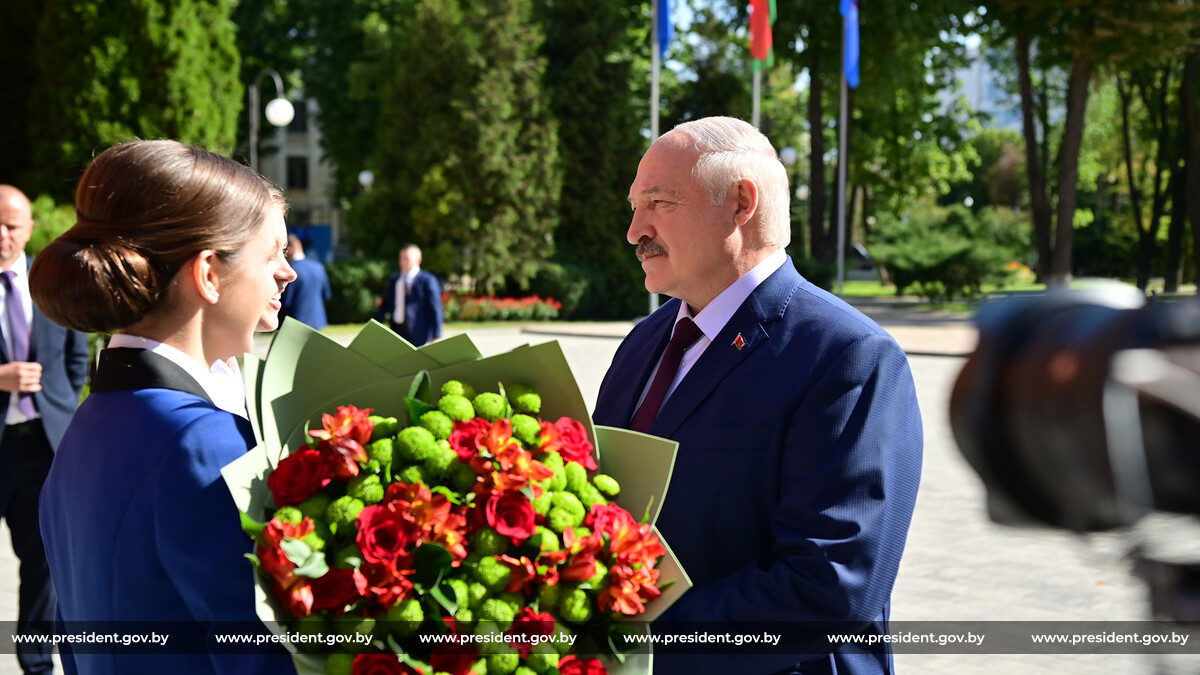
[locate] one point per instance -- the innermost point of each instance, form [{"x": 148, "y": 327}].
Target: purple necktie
[
  {"x": 18, "y": 330},
  {"x": 686, "y": 334}
]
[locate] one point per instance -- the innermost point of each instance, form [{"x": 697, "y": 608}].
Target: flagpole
[
  {"x": 754, "y": 115},
  {"x": 841, "y": 188},
  {"x": 655, "y": 64}
]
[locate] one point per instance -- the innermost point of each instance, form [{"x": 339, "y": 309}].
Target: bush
[
  {"x": 356, "y": 286},
  {"x": 567, "y": 283},
  {"x": 946, "y": 253},
  {"x": 491, "y": 308},
  {"x": 820, "y": 274},
  {"x": 50, "y": 221}
]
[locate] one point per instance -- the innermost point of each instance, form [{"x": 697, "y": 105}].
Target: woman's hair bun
[{"x": 93, "y": 284}]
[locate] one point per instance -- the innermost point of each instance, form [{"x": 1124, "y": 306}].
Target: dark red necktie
[{"x": 686, "y": 334}]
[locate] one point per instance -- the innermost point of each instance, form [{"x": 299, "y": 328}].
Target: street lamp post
[{"x": 279, "y": 111}]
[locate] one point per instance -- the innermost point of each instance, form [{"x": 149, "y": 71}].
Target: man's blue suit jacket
[
  {"x": 304, "y": 299},
  {"x": 138, "y": 523},
  {"x": 797, "y": 471},
  {"x": 63, "y": 354},
  {"x": 422, "y": 307}
]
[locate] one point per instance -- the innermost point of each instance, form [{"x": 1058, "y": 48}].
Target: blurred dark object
[
  {"x": 1081, "y": 409},
  {"x": 1174, "y": 589}
]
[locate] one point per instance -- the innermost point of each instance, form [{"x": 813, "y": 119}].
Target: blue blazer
[
  {"x": 63, "y": 354},
  {"x": 422, "y": 307},
  {"x": 138, "y": 523},
  {"x": 304, "y": 299},
  {"x": 797, "y": 472}
]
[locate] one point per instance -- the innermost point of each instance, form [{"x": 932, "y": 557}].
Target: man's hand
[{"x": 24, "y": 376}]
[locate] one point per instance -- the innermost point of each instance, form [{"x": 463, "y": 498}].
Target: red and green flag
[{"x": 762, "y": 16}]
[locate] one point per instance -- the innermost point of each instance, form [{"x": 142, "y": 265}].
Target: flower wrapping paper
[{"x": 306, "y": 374}]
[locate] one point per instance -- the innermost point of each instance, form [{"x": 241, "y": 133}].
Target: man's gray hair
[{"x": 731, "y": 150}]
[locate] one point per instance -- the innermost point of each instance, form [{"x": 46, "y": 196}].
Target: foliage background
[{"x": 504, "y": 135}]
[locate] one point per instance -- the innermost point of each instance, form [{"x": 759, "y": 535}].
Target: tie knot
[
  {"x": 8, "y": 276},
  {"x": 686, "y": 333}
]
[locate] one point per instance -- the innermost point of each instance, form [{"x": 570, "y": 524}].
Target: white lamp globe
[{"x": 280, "y": 112}]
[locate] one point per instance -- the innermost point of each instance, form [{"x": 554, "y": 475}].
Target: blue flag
[
  {"x": 665, "y": 29},
  {"x": 850, "y": 47}
]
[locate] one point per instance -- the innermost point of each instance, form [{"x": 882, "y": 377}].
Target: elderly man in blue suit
[
  {"x": 799, "y": 434},
  {"x": 412, "y": 300},
  {"x": 42, "y": 369}
]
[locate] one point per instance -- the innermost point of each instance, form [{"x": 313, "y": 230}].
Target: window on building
[
  {"x": 299, "y": 124},
  {"x": 297, "y": 172},
  {"x": 299, "y": 217}
]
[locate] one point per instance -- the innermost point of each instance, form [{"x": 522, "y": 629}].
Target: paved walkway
[{"x": 958, "y": 565}]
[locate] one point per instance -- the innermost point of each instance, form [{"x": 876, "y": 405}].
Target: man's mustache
[{"x": 647, "y": 248}]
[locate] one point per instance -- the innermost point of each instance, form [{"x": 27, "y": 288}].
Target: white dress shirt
[{"x": 403, "y": 283}]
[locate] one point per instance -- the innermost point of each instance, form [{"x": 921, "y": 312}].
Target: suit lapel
[
  {"x": 124, "y": 369},
  {"x": 751, "y": 323},
  {"x": 38, "y": 331},
  {"x": 640, "y": 363}
]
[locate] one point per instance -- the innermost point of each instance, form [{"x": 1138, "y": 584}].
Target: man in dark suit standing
[
  {"x": 799, "y": 435},
  {"x": 304, "y": 299},
  {"x": 412, "y": 301},
  {"x": 43, "y": 367}
]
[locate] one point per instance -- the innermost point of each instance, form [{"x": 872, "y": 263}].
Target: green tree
[
  {"x": 714, "y": 64},
  {"x": 18, "y": 48},
  {"x": 113, "y": 70},
  {"x": 467, "y": 149},
  {"x": 997, "y": 175},
  {"x": 596, "y": 60},
  {"x": 1082, "y": 38},
  {"x": 269, "y": 35},
  {"x": 903, "y": 143}
]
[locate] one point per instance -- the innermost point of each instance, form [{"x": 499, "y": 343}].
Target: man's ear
[
  {"x": 746, "y": 194},
  {"x": 202, "y": 275}
]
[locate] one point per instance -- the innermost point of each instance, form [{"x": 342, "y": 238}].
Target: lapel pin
[{"x": 739, "y": 342}]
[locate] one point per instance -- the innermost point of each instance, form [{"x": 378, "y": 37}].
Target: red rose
[
  {"x": 463, "y": 438},
  {"x": 384, "y": 533},
  {"x": 381, "y": 664},
  {"x": 530, "y": 623},
  {"x": 453, "y": 658},
  {"x": 298, "y": 477},
  {"x": 510, "y": 514},
  {"x": 571, "y": 442},
  {"x": 609, "y": 519},
  {"x": 573, "y": 665},
  {"x": 337, "y": 589}
]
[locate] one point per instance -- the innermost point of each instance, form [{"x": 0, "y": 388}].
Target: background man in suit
[
  {"x": 42, "y": 370},
  {"x": 304, "y": 299},
  {"x": 412, "y": 302},
  {"x": 799, "y": 434}
]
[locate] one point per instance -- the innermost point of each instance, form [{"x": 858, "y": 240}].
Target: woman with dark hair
[{"x": 180, "y": 253}]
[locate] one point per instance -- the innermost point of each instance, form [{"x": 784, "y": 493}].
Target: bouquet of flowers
[{"x": 459, "y": 533}]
